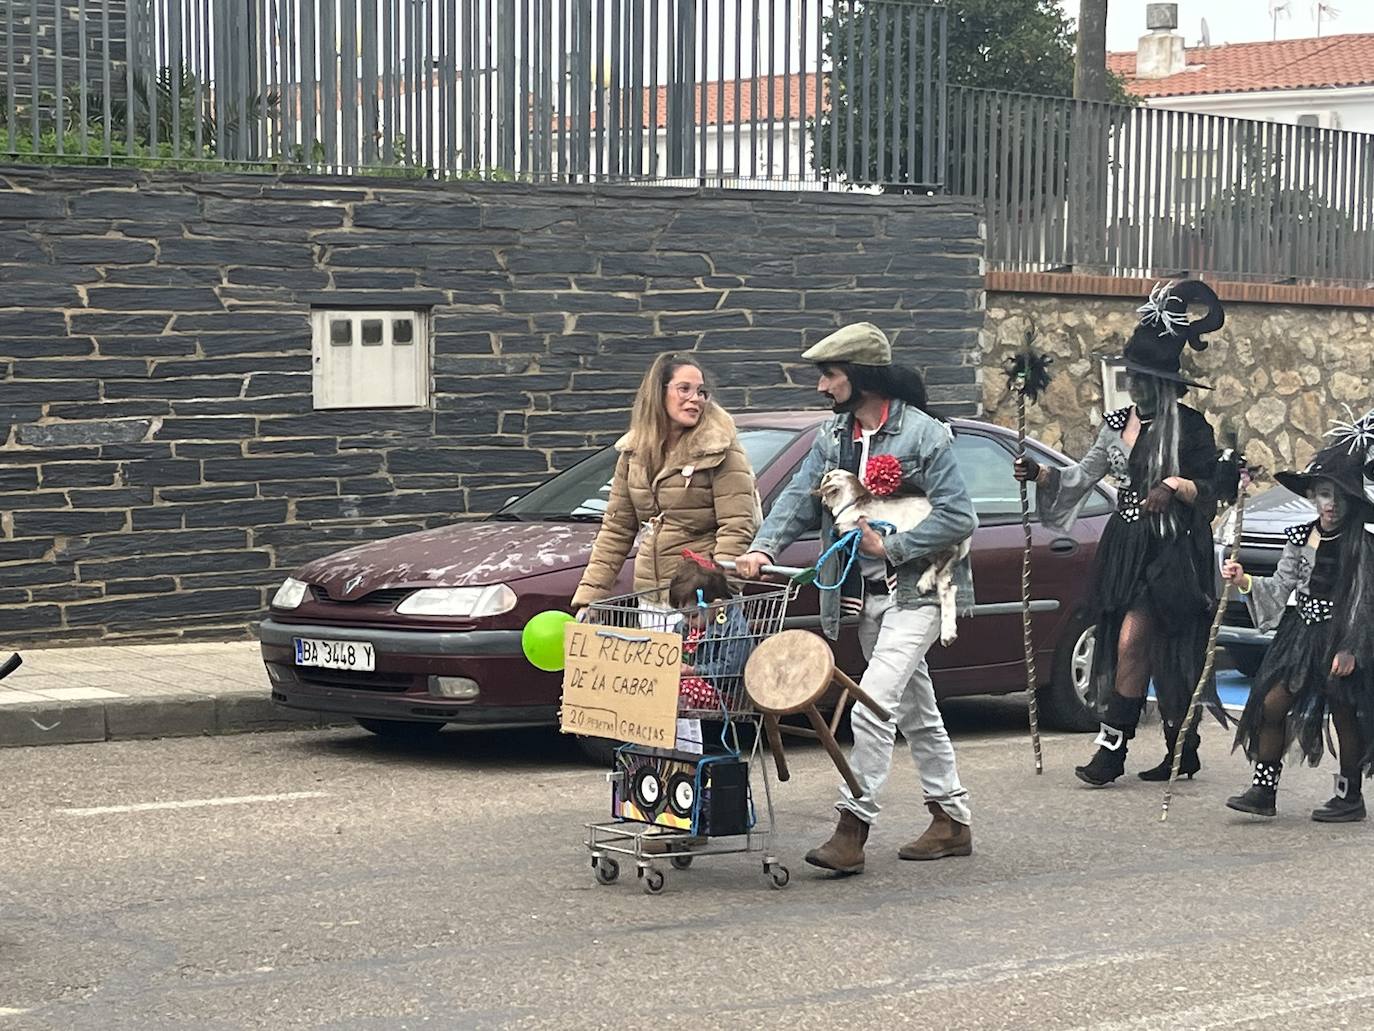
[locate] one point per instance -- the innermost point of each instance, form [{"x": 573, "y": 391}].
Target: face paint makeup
[
  {"x": 1144, "y": 393},
  {"x": 1330, "y": 502}
]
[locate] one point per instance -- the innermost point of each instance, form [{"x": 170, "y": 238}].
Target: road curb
[{"x": 125, "y": 719}]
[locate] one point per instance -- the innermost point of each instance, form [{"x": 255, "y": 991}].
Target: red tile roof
[
  {"x": 794, "y": 95},
  {"x": 1248, "y": 67}
]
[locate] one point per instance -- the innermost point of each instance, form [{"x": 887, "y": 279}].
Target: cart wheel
[
  {"x": 607, "y": 870},
  {"x": 681, "y": 862},
  {"x": 653, "y": 882},
  {"x": 778, "y": 876}
]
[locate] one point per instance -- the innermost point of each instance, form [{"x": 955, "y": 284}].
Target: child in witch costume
[
  {"x": 1321, "y": 662},
  {"x": 1153, "y": 593}
]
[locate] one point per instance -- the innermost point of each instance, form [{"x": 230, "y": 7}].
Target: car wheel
[
  {"x": 401, "y": 730},
  {"x": 600, "y": 750},
  {"x": 1246, "y": 658},
  {"x": 1065, "y": 704}
]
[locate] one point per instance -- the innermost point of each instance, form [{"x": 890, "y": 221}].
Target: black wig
[{"x": 896, "y": 381}]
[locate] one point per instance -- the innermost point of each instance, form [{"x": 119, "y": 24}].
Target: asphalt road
[{"x": 447, "y": 886}]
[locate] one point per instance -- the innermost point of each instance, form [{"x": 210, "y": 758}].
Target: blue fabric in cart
[{"x": 724, "y": 648}]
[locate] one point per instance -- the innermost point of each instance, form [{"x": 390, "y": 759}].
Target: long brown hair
[{"x": 649, "y": 418}]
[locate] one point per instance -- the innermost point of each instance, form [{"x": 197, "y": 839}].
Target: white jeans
[{"x": 895, "y": 642}]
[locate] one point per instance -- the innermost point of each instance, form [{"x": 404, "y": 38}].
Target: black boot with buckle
[
  {"x": 1260, "y": 797},
  {"x": 1346, "y": 805},
  {"x": 1118, "y": 727}
]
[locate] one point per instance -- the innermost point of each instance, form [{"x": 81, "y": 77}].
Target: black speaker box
[{"x": 705, "y": 795}]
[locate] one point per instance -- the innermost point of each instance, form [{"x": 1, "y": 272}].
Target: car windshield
[{"x": 580, "y": 494}]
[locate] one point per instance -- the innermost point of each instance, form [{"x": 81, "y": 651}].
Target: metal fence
[
  {"x": 700, "y": 90},
  {"x": 1090, "y": 187},
  {"x": 770, "y": 93}
]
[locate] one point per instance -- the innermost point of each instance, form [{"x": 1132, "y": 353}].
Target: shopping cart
[{"x": 673, "y": 806}]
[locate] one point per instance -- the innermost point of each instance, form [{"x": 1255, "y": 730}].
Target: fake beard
[{"x": 841, "y": 407}]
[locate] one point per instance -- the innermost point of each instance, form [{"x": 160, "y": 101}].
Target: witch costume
[
  {"x": 1330, "y": 575},
  {"x": 1153, "y": 590}
]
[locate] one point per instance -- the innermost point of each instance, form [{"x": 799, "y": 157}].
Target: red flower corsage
[{"x": 883, "y": 475}]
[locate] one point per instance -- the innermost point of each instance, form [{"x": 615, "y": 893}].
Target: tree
[
  {"x": 1273, "y": 214},
  {"x": 1017, "y": 46},
  {"x": 1021, "y": 46},
  {"x": 1090, "y": 61}
]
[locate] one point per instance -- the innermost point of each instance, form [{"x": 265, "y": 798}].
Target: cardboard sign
[{"x": 621, "y": 683}]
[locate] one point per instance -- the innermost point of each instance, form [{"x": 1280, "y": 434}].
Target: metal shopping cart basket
[{"x": 674, "y": 805}]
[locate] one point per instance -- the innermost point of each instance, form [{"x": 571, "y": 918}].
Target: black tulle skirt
[
  {"x": 1163, "y": 577},
  {"x": 1299, "y": 662}
]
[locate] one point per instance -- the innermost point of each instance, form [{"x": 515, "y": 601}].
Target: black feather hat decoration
[
  {"x": 1028, "y": 371},
  {"x": 1231, "y": 463}
]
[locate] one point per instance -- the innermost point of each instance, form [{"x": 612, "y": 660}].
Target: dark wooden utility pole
[{"x": 1090, "y": 57}]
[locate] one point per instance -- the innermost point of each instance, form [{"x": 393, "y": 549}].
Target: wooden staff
[
  {"x": 1028, "y": 375},
  {"x": 1211, "y": 660}
]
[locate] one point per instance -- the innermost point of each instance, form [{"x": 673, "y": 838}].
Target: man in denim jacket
[{"x": 880, "y": 410}]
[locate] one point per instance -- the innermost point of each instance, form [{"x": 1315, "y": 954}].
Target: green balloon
[{"x": 542, "y": 640}]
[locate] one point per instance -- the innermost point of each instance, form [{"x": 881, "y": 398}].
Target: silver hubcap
[{"x": 1081, "y": 665}]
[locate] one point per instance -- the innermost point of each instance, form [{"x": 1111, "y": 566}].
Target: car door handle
[{"x": 1063, "y": 545}]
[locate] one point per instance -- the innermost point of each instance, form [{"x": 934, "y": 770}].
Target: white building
[{"x": 1325, "y": 82}]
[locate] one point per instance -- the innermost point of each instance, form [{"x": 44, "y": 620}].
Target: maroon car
[{"x": 408, "y": 634}]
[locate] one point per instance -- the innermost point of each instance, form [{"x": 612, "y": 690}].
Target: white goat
[{"x": 849, "y": 501}]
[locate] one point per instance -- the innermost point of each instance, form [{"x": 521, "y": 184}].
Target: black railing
[
  {"x": 720, "y": 91},
  {"x": 1082, "y": 186}
]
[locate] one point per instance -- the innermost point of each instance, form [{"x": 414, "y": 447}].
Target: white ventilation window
[
  {"x": 370, "y": 359},
  {"x": 1116, "y": 390}
]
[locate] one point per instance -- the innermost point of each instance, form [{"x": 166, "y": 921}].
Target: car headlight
[
  {"x": 290, "y": 594},
  {"x": 473, "y": 602}
]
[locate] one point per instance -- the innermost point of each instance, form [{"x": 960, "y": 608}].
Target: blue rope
[{"x": 848, "y": 543}]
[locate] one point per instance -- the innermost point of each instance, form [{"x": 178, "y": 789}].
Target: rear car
[{"x": 408, "y": 634}]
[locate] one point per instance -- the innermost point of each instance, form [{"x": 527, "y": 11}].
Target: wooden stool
[{"x": 789, "y": 673}]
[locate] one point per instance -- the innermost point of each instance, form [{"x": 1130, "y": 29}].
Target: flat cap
[{"x": 861, "y": 343}]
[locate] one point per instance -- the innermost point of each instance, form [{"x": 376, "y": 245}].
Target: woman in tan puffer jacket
[{"x": 682, "y": 479}]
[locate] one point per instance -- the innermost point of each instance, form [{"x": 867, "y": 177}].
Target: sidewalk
[{"x": 110, "y": 693}]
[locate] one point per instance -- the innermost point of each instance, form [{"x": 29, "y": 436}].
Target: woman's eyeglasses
[{"x": 685, "y": 392}]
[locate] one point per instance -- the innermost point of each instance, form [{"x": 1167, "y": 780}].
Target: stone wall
[
  {"x": 161, "y": 464},
  {"x": 49, "y": 33},
  {"x": 1280, "y": 372}
]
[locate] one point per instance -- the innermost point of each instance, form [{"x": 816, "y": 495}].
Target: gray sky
[{"x": 1233, "y": 21}]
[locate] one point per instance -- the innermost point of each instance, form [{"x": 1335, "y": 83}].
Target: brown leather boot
[
  {"x": 844, "y": 852},
  {"x": 945, "y": 836}
]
